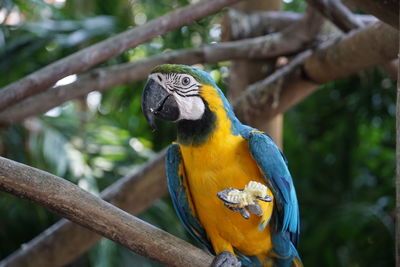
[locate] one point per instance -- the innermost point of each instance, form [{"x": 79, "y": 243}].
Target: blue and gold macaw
[{"x": 215, "y": 152}]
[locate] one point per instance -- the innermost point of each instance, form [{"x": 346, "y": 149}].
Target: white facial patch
[{"x": 185, "y": 90}]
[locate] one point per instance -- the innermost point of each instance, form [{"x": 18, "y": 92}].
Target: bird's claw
[
  {"x": 243, "y": 211},
  {"x": 223, "y": 195},
  {"x": 267, "y": 198},
  {"x": 249, "y": 204},
  {"x": 225, "y": 259},
  {"x": 255, "y": 209}
]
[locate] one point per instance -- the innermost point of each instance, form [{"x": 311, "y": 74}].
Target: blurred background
[{"x": 340, "y": 141}]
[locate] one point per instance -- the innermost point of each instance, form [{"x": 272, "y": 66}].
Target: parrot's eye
[{"x": 185, "y": 81}]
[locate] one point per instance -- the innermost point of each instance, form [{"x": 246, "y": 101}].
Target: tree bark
[
  {"x": 249, "y": 25},
  {"x": 375, "y": 44},
  {"x": 44, "y": 78},
  {"x": 244, "y": 72},
  {"x": 268, "y": 94},
  {"x": 287, "y": 42},
  {"x": 360, "y": 49},
  {"x": 385, "y": 10},
  {"x": 240, "y": 25},
  {"x": 65, "y": 241},
  {"x": 72, "y": 202},
  {"x": 345, "y": 20},
  {"x": 336, "y": 12},
  {"x": 355, "y": 51}
]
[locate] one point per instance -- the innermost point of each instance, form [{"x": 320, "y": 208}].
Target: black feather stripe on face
[{"x": 196, "y": 132}]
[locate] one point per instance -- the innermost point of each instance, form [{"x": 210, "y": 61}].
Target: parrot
[{"x": 213, "y": 158}]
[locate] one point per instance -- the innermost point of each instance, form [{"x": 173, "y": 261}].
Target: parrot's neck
[
  {"x": 216, "y": 124},
  {"x": 196, "y": 132}
]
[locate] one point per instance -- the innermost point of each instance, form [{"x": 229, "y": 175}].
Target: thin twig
[
  {"x": 44, "y": 78},
  {"x": 72, "y": 202}
]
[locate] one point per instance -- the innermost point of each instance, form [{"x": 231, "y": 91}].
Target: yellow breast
[{"x": 224, "y": 161}]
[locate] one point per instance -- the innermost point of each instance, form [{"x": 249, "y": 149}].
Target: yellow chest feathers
[
  {"x": 221, "y": 162},
  {"x": 212, "y": 168},
  {"x": 224, "y": 159}
]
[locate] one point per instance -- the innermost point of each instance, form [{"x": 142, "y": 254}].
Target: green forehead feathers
[{"x": 201, "y": 76}]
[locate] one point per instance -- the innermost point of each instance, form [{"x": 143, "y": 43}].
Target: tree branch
[
  {"x": 375, "y": 44},
  {"x": 251, "y": 103},
  {"x": 387, "y": 10},
  {"x": 291, "y": 40},
  {"x": 360, "y": 49},
  {"x": 72, "y": 202},
  {"x": 65, "y": 241},
  {"x": 345, "y": 20},
  {"x": 241, "y": 25},
  {"x": 44, "y": 78},
  {"x": 336, "y": 12},
  {"x": 248, "y": 25}
]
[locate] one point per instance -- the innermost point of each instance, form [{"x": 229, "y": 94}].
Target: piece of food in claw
[
  {"x": 240, "y": 196},
  {"x": 248, "y": 195},
  {"x": 256, "y": 189}
]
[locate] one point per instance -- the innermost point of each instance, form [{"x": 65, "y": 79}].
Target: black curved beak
[{"x": 156, "y": 101}]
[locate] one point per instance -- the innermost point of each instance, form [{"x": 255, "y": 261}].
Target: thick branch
[
  {"x": 70, "y": 201},
  {"x": 292, "y": 40},
  {"x": 373, "y": 45},
  {"x": 252, "y": 101},
  {"x": 247, "y": 25},
  {"x": 241, "y": 25},
  {"x": 345, "y": 20},
  {"x": 385, "y": 10},
  {"x": 90, "y": 56},
  {"x": 65, "y": 240},
  {"x": 336, "y": 12},
  {"x": 358, "y": 50},
  {"x": 244, "y": 72}
]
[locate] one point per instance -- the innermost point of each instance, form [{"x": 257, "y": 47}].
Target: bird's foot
[
  {"x": 225, "y": 259},
  {"x": 244, "y": 200}
]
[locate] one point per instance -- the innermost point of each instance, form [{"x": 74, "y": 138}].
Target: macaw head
[
  {"x": 187, "y": 96},
  {"x": 175, "y": 93}
]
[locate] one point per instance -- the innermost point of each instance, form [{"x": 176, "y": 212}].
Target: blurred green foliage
[{"x": 340, "y": 141}]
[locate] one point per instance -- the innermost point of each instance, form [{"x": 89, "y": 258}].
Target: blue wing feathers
[
  {"x": 180, "y": 199},
  {"x": 274, "y": 167},
  {"x": 286, "y": 221}
]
